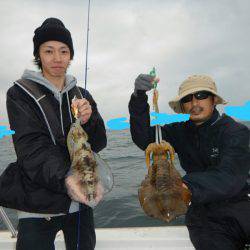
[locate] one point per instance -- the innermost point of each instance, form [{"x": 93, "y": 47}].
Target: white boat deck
[{"x": 144, "y": 238}]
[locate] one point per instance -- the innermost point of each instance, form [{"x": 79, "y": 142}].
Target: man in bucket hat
[
  {"x": 194, "y": 84},
  {"x": 213, "y": 149}
]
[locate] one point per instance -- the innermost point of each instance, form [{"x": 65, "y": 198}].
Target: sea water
[{"x": 120, "y": 207}]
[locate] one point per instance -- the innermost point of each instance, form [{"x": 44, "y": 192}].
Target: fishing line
[{"x": 85, "y": 86}]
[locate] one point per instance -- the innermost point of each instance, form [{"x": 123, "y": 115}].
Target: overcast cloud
[{"x": 179, "y": 38}]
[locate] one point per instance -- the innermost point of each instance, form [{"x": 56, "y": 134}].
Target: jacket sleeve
[
  {"x": 41, "y": 162},
  {"x": 229, "y": 177},
  {"x": 141, "y": 132},
  {"x": 95, "y": 127}
]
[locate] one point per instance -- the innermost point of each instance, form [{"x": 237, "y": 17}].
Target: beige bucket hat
[{"x": 192, "y": 85}]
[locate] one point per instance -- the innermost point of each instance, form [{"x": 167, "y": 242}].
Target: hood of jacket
[{"x": 70, "y": 82}]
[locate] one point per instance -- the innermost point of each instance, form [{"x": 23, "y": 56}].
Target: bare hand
[
  {"x": 99, "y": 193},
  {"x": 186, "y": 194},
  {"x": 84, "y": 109},
  {"x": 74, "y": 189}
]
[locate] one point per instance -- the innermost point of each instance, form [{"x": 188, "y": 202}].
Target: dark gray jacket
[
  {"x": 215, "y": 155},
  {"x": 35, "y": 183}
]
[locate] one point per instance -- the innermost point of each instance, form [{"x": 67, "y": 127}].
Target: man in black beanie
[
  {"x": 40, "y": 185},
  {"x": 52, "y": 29}
]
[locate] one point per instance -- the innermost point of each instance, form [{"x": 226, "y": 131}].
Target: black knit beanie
[{"x": 52, "y": 29}]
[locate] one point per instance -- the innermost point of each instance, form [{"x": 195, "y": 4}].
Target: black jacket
[
  {"x": 36, "y": 182},
  {"x": 215, "y": 155}
]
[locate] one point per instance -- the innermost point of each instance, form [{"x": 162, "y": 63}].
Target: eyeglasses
[{"x": 201, "y": 95}]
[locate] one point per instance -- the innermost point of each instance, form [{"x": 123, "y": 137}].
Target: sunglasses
[{"x": 201, "y": 95}]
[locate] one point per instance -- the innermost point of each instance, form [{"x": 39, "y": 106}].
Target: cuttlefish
[
  {"x": 83, "y": 163},
  {"x": 161, "y": 193}
]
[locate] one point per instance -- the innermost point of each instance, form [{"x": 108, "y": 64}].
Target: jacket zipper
[{"x": 61, "y": 118}]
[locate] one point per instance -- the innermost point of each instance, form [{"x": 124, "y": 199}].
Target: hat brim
[{"x": 176, "y": 105}]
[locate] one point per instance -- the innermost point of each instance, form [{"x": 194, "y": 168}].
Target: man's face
[
  {"x": 199, "y": 110},
  {"x": 55, "y": 58}
]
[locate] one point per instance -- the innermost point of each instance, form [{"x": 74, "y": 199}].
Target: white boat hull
[{"x": 135, "y": 238}]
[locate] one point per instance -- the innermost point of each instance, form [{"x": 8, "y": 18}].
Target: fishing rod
[{"x": 87, "y": 50}]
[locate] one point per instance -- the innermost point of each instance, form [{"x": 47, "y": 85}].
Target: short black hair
[{"x": 37, "y": 61}]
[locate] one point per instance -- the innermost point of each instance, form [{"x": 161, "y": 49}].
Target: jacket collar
[{"x": 210, "y": 122}]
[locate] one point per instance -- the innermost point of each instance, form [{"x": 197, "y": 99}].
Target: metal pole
[{"x": 8, "y": 223}]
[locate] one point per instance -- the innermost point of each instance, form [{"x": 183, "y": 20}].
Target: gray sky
[{"x": 179, "y": 38}]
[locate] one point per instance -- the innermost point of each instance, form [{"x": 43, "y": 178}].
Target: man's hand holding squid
[
  {"x": 186, "y": 194},
  {"x": 84, "y": 109},
  {"x": 144, "y": 82},
  {"x": 74, "y": 189},
  {"x": 77, "y": 193}
]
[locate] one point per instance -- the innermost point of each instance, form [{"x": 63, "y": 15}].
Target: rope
[{"x": 158, "y": 134}]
